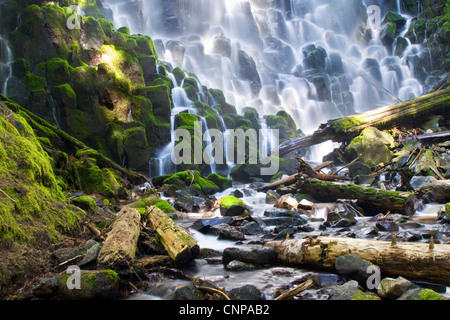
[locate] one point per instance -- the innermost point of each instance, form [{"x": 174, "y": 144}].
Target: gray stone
[
  {"x": 392, "y": 289},
  {"x": 354, "y": 267},
  {"x": 418, "y": 181},
  {"x": 257, "y": 255}
]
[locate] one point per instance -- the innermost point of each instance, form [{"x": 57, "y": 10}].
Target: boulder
[
  {"x": 373, "y": 145},
  {"x": 189, "y": 292},
  {"x": 350, "y": 291},
  {"x": 232, "y": 206},
  {"x": 94, "y": 285},
  {"x": 392, "y": 289},
  {"x": 236, "y": 265},
  {"x": 354, "y": 267},
  {"x": 248, "y": 292}
]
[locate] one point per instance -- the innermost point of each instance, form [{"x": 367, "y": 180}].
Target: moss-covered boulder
[
  {"x": 283, "y": 122},
  {"x": 232, "y": 206},
  {"x": 373, "y": 145},
  {"x": 222, "y": 182},
  {"x": 88, "y": 285},
  {"x": 193, "y": 178},
  {"x": 85, "y": 202},
  {"x": 136, "y": 148}
]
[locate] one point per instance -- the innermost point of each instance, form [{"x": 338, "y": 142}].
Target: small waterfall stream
[{"x": 6, "y": 59}]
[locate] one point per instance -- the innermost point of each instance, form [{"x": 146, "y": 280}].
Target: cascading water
[
  {"x": 6, "y": 60},
  {"x": 302, "y": 57}
]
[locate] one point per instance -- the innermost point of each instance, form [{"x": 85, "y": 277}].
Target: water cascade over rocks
[{"x": 303, "y": 57}]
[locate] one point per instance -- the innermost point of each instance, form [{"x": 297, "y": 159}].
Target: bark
[
  {"x": 415, "y": 261},
  {"x": 409, "y": 114},
  {"x": 180, "y": 246},
  {"x": 368, "y": 198},
  {"x": 119, "y": 249}
]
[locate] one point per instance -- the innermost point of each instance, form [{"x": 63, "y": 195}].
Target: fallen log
[
  {"x": 409, "y": 114},
  {"x": 415, "y": 261},
  {"x": 180, "y": 246},
  {"x": 119, "y": 249},
  {"x": 371, "y": 199}
]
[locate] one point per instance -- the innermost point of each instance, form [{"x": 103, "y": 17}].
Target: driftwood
[
  {"x": 295, "y": 291},
  {"x": 180, "y": 246},
  {"x": 368, "y": 198},
  {"x": 415, "y": 261},
  {"x": 119, "y": 249},
  {"x": 409, "y": 114}
]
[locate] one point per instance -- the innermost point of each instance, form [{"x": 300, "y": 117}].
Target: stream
[{"x": 271, "y": 279}]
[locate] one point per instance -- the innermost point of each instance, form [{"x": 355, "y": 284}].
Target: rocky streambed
[{"x": 234, "y": 260}]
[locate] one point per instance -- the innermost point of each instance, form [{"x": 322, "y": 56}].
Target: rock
[
  {"x": 248, "y": 71},
  {"x": 347, "y": 291},
  {"x": 373, "y": 145},
  {"x": 257, "y": 255},
  {"x": 222, "y": 46},
  {"x": 248, "y": 292},
  {"x": 280, "y": 212},
  {"x": 417, "y": 181},
  {"x": 358, "y": 169},
  {"x": 189, "y": 292},
  {"x": 421, "y": 294},
  {"x": 203, "y": 225},
  {"x": 272, "y": 197},
  {"x": 314, "y": 58},
  {"x": 388, "y": 226},
  {"x": 341, "y": 216},
  {"x": 91, "y": 254},
  {"x": 226, "y": 232},
  {"x": 232, "y": 206},
  {"x": 222, "y": 182},
  {"x": 287, "y": 202},
  {"x": 94, "y": 285},
  {"x": 353, "y": 266},
  {"x": 236, "y": 265},
  {"x": 392, "y": 289},
  {"x": 238, "y": 194},
  {"x": 252, "y": 228}
]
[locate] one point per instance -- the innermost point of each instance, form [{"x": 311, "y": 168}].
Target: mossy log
[
  {"x": 415, "y": 261},
  {"x": 409, "y": 114},
  {"x": 180, "y": 246},
  {"x": 368, "y": 198},
  {"x": 119, "y": 249}
]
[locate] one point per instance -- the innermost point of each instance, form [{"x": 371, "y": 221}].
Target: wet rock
[
  {"x": 408, "y": 236},
  {"x": 238, "y": 194},
  {"x": 248, "y": 292},
  {"x": 93, "y": 249},
  {"x": 236, "y": 265},
  {"x": 280, "y": 212},
  {"x": 358, "y": 169},
  {"x": 236, "y": 211},
  {"x": 283, "y": 234},
  {"x": 388, "y": 226},
  {"x": 252, "y": 228},
  {"x": 226, "y": 232},
  {"x": 354, "y": 267},
  {"x": 203, "y": 225},
  {"x": 94, "y": 285},
  {"x": 272, "y": 197},
  {"x": 341, "y": 216},
  {"x": 346, "y": 291},
  {"x": 257, "y": 255},
  {"x": 392, "y": 289},
  {"x": 189, "y": 292},
  {"x": 417, "y": 181},
  {"x": 421, "y": 294}
]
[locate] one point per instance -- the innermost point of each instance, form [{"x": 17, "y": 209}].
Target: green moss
[
  {"x": 27, "y": 176},
  {"x": 344, "y": 124},
  {"x": 229, "y": 201},
  {"x": 164, "y": 206},
  {"x": 187, "y": 178},
  {"x": 34, "y": 82},
  {"x": 85, "y": 202},
  {"x": 222, "y": 182},
  {"x": 124, "y": 30},
  {"x": 428, "y": 294},
  {"x": 360, "y": 295},
  {"x": 56, "y": 71}
]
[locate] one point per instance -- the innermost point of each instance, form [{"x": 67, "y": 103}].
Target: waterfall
[
  {"x": 6, "y": 58},
  {"x": 297, "y": 56}
]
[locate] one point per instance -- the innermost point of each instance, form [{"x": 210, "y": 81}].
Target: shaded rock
[
  {"x": 91, "y": 255},
  {"x": 354, "y": 267},
  {"x": 248, "y": 292},
  {"x": 94, "y": 285},
  {"x": 272, "y": 197},
  {"x": 256, "y": 255},
  {"x": 189, "y": 292},
  {"x": 417, "y": 181},
  {"x": 346, "y": 291},
  {"x": 203, "y": 225},
  {"x": 235, "y": 211},
  {"x": 421, "y": 294},
  {"x": 392, "y": 289},
  {"x": 387, "y": 226},
  {"x": 226, "y": 232},
  {"x": 236, "y": 265}
]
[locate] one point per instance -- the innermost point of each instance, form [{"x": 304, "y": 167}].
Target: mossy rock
[
  {"x": 192, "y": 178},
  {"x": 229, "y": 201},
  {"x": 94, "y": 285},
  {"x": 283, "y": 122},
  {"x": 374, "y": 146},
  {"x": 136, "y": 147},
  {"x": 222, "y": 182},
  {"x": 86, "y": 203}
]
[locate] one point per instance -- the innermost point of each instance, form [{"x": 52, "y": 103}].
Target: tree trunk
[
  {"x": 415, "y": 261},
  {"x": 368, "y": 198},
  {"x": 119, "y": 249},
  {"x": 180, "y": 246},
  {"x": 409, "y": 114}
]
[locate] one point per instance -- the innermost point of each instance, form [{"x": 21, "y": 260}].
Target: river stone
[
  {"x": 346, "y": 291},
  {"x": 248, "y": 292},
  {"x": 354, "y": 267},
  {"x": 236, "y": 265},
  {"x": 257, "y": 255},
  {"x": 226, "y": 232},
  {"x": 235, "y": 211},
  {"x": 94, "y": 285},
  {"x": 417, "y": 181},
  {"x": 392, "y": 289},
  {"x": 421, "y": 294},
  {"x": 189, "y": 292},
  {"x": 203, "y": 225}
]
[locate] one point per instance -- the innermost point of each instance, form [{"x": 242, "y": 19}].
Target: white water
[
  {"x": 274, "y": 37},
  {"x": 6, "y": 60}
]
